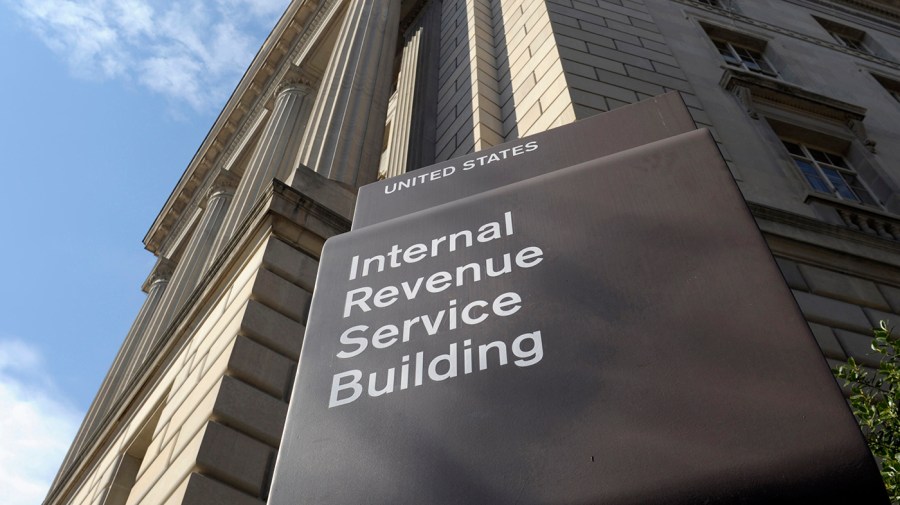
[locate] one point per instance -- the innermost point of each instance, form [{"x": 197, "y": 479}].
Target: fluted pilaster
[
  {"x": 274, "y": 155},
  {"x": 344, "y": 136},
  {"x": 138, "y": 334},
  {"x": 412, "y": 133},
  {"x": 193, "y": 261},
  {"x": 122, "y": 369}
]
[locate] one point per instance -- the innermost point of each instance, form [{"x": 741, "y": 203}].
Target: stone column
[
  {"x": 137, "y": 335},
  {"x": 413, "y": 136},
  {"x": 344, "y": 136},
  {"x": 193, "y": 263},
  {"x": 423, "y": 125},
  {"x": 120, "y": 372},
  {"x": 274, "y": 155}
]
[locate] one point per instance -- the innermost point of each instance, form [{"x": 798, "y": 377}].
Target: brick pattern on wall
[
  {"x": 841, "y": 309},
  {"x": 224, "y": 400},
  {"x": 534, "y": 96},
  {"x": 614, "y": 54},
  {"x": 468, "y": 89}
]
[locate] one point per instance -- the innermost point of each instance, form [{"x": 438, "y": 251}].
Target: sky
[{"x": 102, "y": 105}]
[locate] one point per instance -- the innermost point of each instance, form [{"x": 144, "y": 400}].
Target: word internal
[{"x": 397, "y": 256}]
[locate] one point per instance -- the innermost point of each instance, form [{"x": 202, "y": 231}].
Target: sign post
[{"x": 611, "y": 332}]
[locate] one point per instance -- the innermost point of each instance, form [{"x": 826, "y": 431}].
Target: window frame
[
  {"x": 741, "y": 51},
  {"x": 889, "y": 84},
  {"x": 850, "y": 42},
  {"x": 851, "y": 38},
  {"x": 827, "y": 172},
  {"x": 744, "y": 57}
]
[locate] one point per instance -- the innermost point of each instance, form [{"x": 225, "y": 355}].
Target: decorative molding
[
  {"x": 256, "y": 87},
  {"x": 224, "y": 183},
  {"x": 248, "y": 126},
  {"x": 746, "y": 98},
  {"x": 296, "y": 79},
  {"x": 869, "y": 220},
  {"x": 774, "y": 215},
  {"x": 750, "y": 87},
  {"x": 859, "y": 129},
  {"x": 874, "y": 11},
  {"x": 161, "y": 273},
  {"x": 735, "y": 16},
  {"x": 236, "y": 148},
  {"x": 790, "y": 95}
]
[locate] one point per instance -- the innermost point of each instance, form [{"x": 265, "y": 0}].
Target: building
[{"x": 803, "y": 97}]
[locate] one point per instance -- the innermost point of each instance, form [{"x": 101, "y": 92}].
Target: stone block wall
[
  {"x": 842, "y": 309},
  {"x": 212, "y": 427},
  {"x": 614, "y": 54},
  {"x": 468, "y": 90},
  {"x": 534, "y": 96},
  {"x": 500, "y": 75}
]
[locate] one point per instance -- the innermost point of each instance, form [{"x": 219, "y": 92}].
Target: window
[
  {"x": 128, "y": 468},
  {"x": 846, "y": 36},
  {"x": 851, "y": 42},
  {"x": 740, "y": 51},
  {"x": 744, "y": 58},
  {"x": 829, "y": 173},
  {"x": 889, "y": 85}
]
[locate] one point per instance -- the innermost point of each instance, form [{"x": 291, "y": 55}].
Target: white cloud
[
  {"x": 36, "y": 427},
  {"x": 189, "y": 51}
]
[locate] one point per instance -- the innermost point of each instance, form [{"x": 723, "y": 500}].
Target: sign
[
  {"x": 612, "y": 332},
  {"x": 624, "y": 128}
]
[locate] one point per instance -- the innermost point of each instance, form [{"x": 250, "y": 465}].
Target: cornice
[
  {"x": 244, "y": 106},
  {"x": 883, "y": 8},
  {"x": 733, "y": 15},
  {"x": 791, "y": 95},
  {"x": 819, "y": 227}
]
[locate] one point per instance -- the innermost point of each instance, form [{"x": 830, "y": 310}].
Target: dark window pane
[
  {"x": 840, "y": 185},
  {"x": 765, "y": 67},
  {"x": 725, "y": 51},
  {"x": 793, "y": 148},
  {"x": 812, "y": 176},
  {"x": 859, "y": 190},
  {"x": 837, "y": 161},
  {"x": 850, "y": 42},
  {"x": 819, "y": 156}
]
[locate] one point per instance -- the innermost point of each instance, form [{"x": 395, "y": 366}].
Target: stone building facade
[{"x": 803, "y": 97}]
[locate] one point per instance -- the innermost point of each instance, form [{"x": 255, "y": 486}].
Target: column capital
[
  {"x": 295, "y": 80},
  {"x": 224, "y": 184},
  {"x": 160, "y": 274},
  {"x": 411, "y": 20}
]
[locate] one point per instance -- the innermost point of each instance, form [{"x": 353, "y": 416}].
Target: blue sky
[{"x": 104, "y": 102}]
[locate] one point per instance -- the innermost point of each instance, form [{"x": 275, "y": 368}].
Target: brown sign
[{"x": 614, "y": 332}]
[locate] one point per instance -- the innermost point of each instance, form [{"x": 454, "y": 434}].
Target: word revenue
[
  {"x": 397, "y": 256},
  {"x": 347, "y": 387}
]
